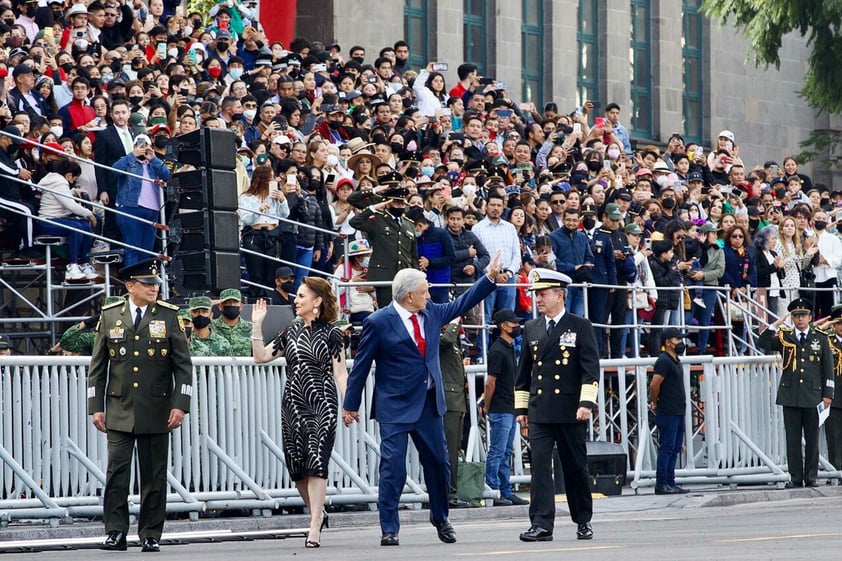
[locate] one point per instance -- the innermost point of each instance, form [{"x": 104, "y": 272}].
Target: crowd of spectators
[{"x": 332, "y": 139}]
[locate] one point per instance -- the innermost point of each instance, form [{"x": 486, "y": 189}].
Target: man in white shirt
[{"x": 829, "y": 261}]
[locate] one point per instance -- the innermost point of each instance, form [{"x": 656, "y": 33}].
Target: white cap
[{"x": 727, "y": 134}]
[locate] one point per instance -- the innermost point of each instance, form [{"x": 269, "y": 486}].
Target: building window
[
  {"x": 415, "y": 15},
  {"x": 587, "y": 36},
  {"x": 532, "y": 63},
  {"x": 641, "y": 68},
  {"x": 691, "y": 51},
  {"x": 475, "y": 18}
]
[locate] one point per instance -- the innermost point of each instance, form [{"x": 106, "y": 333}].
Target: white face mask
[
  {"x": 469, "y": 190},
  {"x": 58, "y": 131},
  {"x": 249, "y": 114},
  {"x": 663, "y": 180},
  {"x": 613, "y": 153}
]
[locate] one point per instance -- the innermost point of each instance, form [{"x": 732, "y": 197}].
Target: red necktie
[{"x": 419, "y": 339}]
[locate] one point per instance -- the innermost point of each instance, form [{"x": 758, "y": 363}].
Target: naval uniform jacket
[
  {"x": 807, "y": 373},
  {"x": 558, "y": 371},
  {"x": 137, "y": 377}
]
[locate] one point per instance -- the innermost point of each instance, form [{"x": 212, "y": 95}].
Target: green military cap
[
  {"x": 231, "y": 294},
  {"x": 612, "y": 211},
  {"x": 144, "y": 271},
  {"x": 633, "y": 229},
  {"x": 113, "y": 300},
  {"x": 184, "y": 314},
  {"x": 800, "y": 307},
  {"x": 200, "y": 303},
  {"x": 836, "y": 312}
]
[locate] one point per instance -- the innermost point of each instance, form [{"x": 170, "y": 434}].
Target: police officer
[
  {"x": 139, "y": 389},
  {"x": 230, "y": 325},
  {"x": 390, "y": 233},
  {"x": 555, "y": 394},
  {"x": 806, "y": 380},
  {"x": 204, "y": 340},
  {"x": 603, "y": 272}
]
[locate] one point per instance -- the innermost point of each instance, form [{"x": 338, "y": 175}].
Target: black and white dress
[{"x": 309, "y": 407}]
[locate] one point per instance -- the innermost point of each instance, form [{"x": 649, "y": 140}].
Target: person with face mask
[
  {"x": 204, "y": 340},
  {"x": 498, "y": 405},
  {"x": 435, "y": 254},
  {"x": 668, "y": 401},
  {"x": 391, "y": 235},
  {"x": 284, "y": 293},
  {"x": 230, "y": 325}
]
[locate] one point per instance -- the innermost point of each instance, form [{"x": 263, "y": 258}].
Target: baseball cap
[
  {"x": 506, "y": 314},
  {"x": 231, "y": 294}
]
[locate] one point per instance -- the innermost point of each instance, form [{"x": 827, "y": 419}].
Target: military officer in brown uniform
[
  {"x": 555, "y": 394},
  {"x": 390, "y": 233},
  {"x": 806, "y": 380},
  {"x": 139, "y": 388}
]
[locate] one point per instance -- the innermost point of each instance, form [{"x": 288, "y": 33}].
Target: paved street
[{"x": 644, "y": 527}]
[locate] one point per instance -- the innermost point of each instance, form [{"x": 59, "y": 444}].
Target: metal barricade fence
[{"x": 228, "y": 454}]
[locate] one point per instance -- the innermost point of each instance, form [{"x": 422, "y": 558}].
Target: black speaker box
[
  {"x": 209, "y": 148},
  {"x": 201, "y": 189},
  {"x": 206, "y": 270},
  {"x": 200, "y": 230}
]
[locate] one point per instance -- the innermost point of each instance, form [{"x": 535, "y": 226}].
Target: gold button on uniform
[
  {"x": 136, "y": 385},
  {"x": 540, "y": 363},
  {"x": 137, "y": 337},
  {"x": 557, "y": 377},
  {"x": 540, "y": 391},
  {"x": 136, "y": 353},
  {"x": 135, "y": 369},
  {"x": 557, "y": 362},
  {"x": 540, "y": 377},
  {"x": 557, "y": 391}
]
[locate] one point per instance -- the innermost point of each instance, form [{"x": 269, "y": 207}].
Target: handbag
[{"x": 641, "y": 299}]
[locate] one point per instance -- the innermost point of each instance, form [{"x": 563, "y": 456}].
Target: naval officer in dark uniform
[
  {"x": 806, "y": 380},
  {"x": 555, "y": 394},
  {"x": 139, "y": 388},
  {"x": 390, "y": 233}
]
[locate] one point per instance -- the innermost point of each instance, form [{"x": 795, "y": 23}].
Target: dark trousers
[
  {"x": 824, "y": 299},
  {"x": 570, "y": 440},
  {"x": 428, "y": 436},
  {"x": 833, "y": 433},
  {"x": 670, "y": 441},
  {"x": 597, "y": 312},
  {"x": 152, "y": 454},
  {"x": 260, "y": 269},
  {"x": 798, "y": 420},
  {"x": 454, "y": 423},
  {"x": 617, "y": 308}
]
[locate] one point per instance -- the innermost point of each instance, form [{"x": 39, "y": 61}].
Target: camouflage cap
[
  {"x": 231, "y": 294},
  {"x": 200, "y": 303},
  {"x": 184, "y": 314},
  {"x": 113, "y": 300}
]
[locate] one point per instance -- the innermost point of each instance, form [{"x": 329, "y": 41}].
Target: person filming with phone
[{"x": 140, "y": 198}]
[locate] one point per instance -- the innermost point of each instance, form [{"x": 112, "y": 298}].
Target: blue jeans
[
  {"x": 499, "y": 458},
  {"x": 670, "y": 439},
  {"x": 503, "y": 297},
  {"x": 575, "y": 302},
  {"x": 137, "y": 234},
  {"x": 78, "y": 244},
  {"x": 303, "y": 256},
  {"x": 624, "y": 338},
  {"x": 704, "y": 316}
]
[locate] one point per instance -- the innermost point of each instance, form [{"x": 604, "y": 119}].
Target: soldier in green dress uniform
[
  {"x": 139, "y": 387},
  {"x": 806, "y": 380},
  {"x": 230, "y": 325},
  {"x": 390, "y": 233},
  {"x": 204, "y": 340},
  {"x": 832, "y": 327}
]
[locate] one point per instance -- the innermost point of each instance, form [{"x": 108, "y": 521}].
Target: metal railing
[{"x": 228, "y": 454}]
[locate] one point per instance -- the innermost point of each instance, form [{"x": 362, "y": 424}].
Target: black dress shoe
[
  {"x": 536, "y": 534},
  {"x": 584, "y": 531},
  {"x": 810, "y": 484},
  {"x": 445, "y": 531},
  {"x": 459, "y": 503},
  {"x": 793, "y": 484},
  {"x": 150, "y": 545},
  {"x": 666, "y": 490},
  {"x": 680, "y": 490},
  {"x": 389, "y": 539},
  {"x": 116, "y": 541},
  {"x": 517, "y": 501}
]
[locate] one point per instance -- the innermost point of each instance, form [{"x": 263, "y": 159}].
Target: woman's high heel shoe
[
  {"x": 311, "y": 545},
  {"x": 325, "y": 522}
]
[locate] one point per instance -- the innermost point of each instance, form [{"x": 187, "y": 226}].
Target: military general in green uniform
[
  {"x": 391, "y": 235},
  {"x": 139, "y": 388},
  {"x": 204, "y": 340},
  {"x": 806, "y": 379},
  {"x": 230, "y": 325}
]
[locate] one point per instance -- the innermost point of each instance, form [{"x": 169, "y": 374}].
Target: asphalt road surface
[{"x": 788, "y": 530}]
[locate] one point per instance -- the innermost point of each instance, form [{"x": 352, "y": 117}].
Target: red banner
[{"x": 278, "y": 20}]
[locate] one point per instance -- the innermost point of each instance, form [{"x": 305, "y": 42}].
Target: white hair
[{"x": 406, "y": 281}]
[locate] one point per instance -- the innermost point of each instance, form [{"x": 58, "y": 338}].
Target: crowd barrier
[{"x": 228, "y": 454}]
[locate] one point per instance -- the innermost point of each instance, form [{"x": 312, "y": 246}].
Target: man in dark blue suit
[{"x": 403, "y": 339}]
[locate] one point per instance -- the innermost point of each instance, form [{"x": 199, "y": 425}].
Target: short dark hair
[
  {"x": 571, "y": 211},
  {"x": 465, "y": 70},
  {"x": 381, "y": 60},
  {"x": 495, "y": 194},
  {"x": 454, "y": 210},
  {"x": 611, "y": 106},
  {"x": 401, "y": 43}
]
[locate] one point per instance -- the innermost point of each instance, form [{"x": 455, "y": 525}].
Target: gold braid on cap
[{"x": 785, "y": 361}]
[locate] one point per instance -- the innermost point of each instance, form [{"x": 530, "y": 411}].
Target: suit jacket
[
  {"x": 108, "y": 148},
  {"x": 807, "y": 374},
  {"x": 400, "y": 375},
  {"x": 137, "y": 377},
  {"x": 557, "y": 371}
]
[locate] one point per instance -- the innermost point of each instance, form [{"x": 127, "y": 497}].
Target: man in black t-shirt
[
  {"x": 500, "y": 407},
  {"x": 667, "y": 400}
]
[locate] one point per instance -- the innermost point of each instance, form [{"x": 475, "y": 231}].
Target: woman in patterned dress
[{"x": 315, "y": 357}]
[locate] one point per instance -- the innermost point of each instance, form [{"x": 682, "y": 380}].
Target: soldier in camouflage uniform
[
  {"x": 204, "y": 340},
  {"x": 230, "y": 325},
  {"x": 79, "y": 339},
  {"x": 806, "y": 380}
]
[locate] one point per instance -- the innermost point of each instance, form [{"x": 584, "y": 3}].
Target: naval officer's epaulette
[{"x": 167, "y": 305}]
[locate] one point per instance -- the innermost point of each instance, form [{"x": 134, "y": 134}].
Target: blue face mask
[
  {"x": 236, "y": 73},
  {"x": 428, "y": 171}
]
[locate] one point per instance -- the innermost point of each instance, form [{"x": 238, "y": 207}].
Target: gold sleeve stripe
[
  {"x": 589, "y": 392},
  {"x": 521, "y": 399}
]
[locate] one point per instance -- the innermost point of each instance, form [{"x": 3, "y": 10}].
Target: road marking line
[
  {"x": 553, "y": 550},
  {"x": 790, "y": 537}
]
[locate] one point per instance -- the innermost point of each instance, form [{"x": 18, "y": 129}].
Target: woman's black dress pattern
[{"x": 309, "y": 407}]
